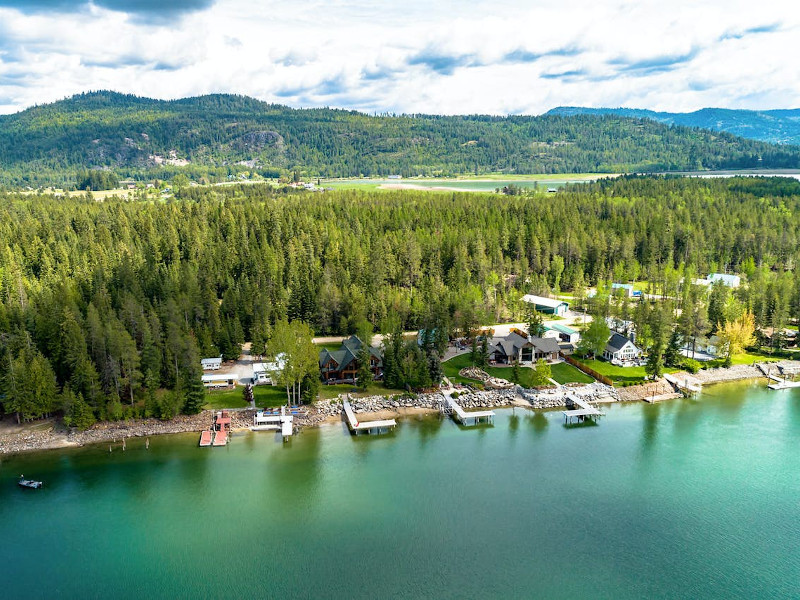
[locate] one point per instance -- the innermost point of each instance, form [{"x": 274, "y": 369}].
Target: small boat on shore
[{"x": 29, "y": 483}]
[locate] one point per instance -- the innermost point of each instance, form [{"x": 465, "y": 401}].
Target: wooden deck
[{"x": 369, "y": 426}]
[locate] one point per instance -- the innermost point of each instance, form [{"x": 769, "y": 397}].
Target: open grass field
[{"x": 480, "y": 183}]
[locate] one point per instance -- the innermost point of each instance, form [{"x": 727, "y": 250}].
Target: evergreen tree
[
  {"x": 672, "y": 355},
  {"x": 77, "y": 413},
  {"x": 515, "y": 371},
  {"x": 195, "y": 397},
  {"x": 247, "y": 394},
  {"x": 483, "y": 353},
  {"x": 654, "y": 367},
  {"x": 434, "y": 367},
  {"x": 717, "y": 300},
  {"x": 535, "y": 323},
  {"x": 310, "y": 387},
  {"x": 364, "y": 373}
]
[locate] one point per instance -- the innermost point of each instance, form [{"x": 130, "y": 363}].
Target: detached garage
[{"x": 548, "y": 306}]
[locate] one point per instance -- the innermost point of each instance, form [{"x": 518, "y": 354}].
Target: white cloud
[{"x": 444, "y": 57}]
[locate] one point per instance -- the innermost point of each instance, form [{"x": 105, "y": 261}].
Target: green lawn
[
  {"x": 566, "y": 373},
  {"x": 330, "y": 346},
  {"x": 269, "y": 395},
  {"x": 373, "y": 389},
  {"x": 562, "y": 372},
  {"x": 265, "y": 395},
  {"x": 746, "y": 358},
  {"x": 620, "y": 374}
]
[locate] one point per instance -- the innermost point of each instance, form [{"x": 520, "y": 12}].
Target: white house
[
  {"x": 705, "y": 348},
  {"x": 266, "y": 372},
  {"x": 621, "y": 349},
  {"x": 211, "y": 364},
  {"x": 549, "y": 306}
]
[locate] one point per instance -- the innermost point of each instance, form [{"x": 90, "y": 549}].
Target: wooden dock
[
  {"x": 781, "y": 384},
  {"x": 206, "y": 438},
  {"x": 586, "y": 410},
  {"x": 468, "y": 418},
  {"x": 684, "y": 384},
  {"x": 357, "y": 427}
]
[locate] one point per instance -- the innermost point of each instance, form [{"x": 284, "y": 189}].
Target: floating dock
[
  {"x": 221, "y": 437},
  {"x": 368, "y": 426},
  {"x": 206, "y": 438},
  {"x": 585, "y": 411},
  {"x": 467, "y": 418},
  {"x": 222, "y": 426}
]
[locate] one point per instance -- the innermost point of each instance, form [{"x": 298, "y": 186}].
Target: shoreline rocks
[{"x": 50, "y": 434}]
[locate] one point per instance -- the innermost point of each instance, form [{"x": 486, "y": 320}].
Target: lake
[
  {"x": 542, "y": 183},
  {"x": 685, "y": 499}
]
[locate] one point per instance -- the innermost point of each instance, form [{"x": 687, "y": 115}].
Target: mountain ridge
[
  {"x": 216, "y": 134},
  {"x": 775, "y": 126}
]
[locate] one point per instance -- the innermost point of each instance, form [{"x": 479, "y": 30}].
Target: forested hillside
[
  {"x": 141, "y": 137},
  {"x": 773, "y": 126},
  {"x": 115, "y": 301}
]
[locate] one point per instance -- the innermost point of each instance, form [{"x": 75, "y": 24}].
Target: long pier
[
  {"x": 585, "y": 411},
  {"x": 357, "y": 427},
  {"x": 467, "y": 418}
]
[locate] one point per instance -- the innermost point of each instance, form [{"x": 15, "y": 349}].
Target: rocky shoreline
[{"x": 50, "y": 434}]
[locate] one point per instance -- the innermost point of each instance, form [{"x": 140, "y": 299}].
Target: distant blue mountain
[{"x": 774, "y": 126}]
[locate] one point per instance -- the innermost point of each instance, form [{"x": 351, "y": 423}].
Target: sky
[{"x": 409, "y": 56}]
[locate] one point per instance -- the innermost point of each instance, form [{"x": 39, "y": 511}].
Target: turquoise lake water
[{"x": 685, "y": 499}]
